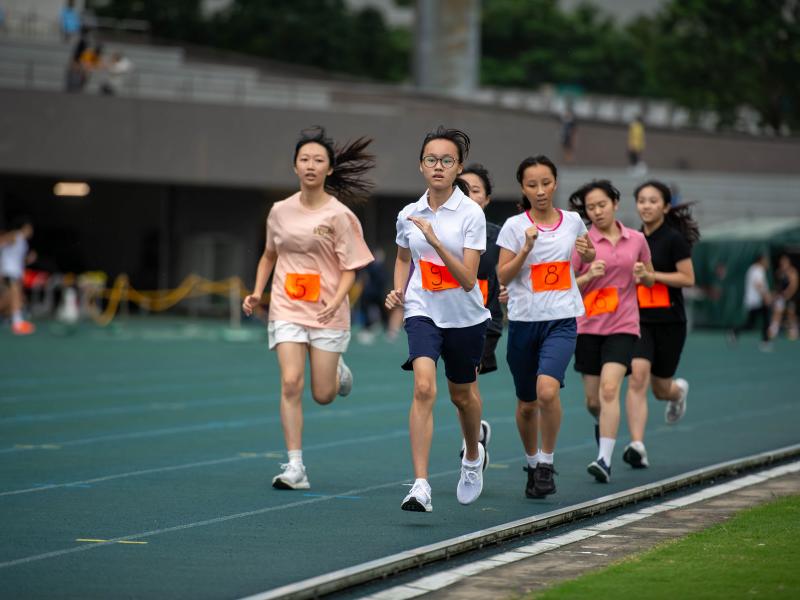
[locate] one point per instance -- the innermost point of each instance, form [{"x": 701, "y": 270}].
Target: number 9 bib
[
  {"x": 302, "y": 286},
  {"x": 550, "y": 277},
  {"x": 436, "y": 278}
]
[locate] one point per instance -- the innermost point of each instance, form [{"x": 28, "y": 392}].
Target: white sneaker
[
  {"x": 345, "y": 377},
  {"x": 293, "y": 478},
  {"x": 470, "y": 484},
  {"x": 418, "y": 498},
  {"x": 485, "y": 438},
  {"x": 677, "y": 408}
]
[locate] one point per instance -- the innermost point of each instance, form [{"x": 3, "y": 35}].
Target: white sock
[
  {"x": 546, "y": 458},
  {"x": 606, "y": 449},
  {"x": 295, "y": 457},
  {"x": 16, "y": 318},
  {"x": 471, "y": 463},
  {"x": 533, "y": 460},
  {"x": 637, "y": 446},
  {"x": 423, "y": 482}
]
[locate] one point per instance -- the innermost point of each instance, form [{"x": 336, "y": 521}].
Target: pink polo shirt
[{"x": 610, "y": 300}]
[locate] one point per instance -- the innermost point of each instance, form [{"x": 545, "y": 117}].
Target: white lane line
[{"x": 431, "y": 583}]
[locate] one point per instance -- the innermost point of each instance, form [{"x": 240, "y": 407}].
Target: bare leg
[
  {"x": 636, "y": 398},
  {"x": 324, "y": 379},
  {"x": 548, "y": 397},
  {"x": 665, "y": 389},
  {"x": 292, "y": 361},
  {"x": 420, "y": 419},
  {"x": 468, "y": 405},
  {"x": 528, "y": 425},
  {"x": 611, "y": 377},
  {"x": 591, "y": 390}
]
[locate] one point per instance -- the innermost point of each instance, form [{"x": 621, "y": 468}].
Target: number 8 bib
[{"x": 552, "y": 276}]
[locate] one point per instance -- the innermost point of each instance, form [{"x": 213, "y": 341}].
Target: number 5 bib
[
  {"x": 551, "y": 277},
  {"x": 436, "y": 278},
  {"x": 302, "y": 286}
]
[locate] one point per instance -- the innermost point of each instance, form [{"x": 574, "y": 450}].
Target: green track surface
[
  {"x": 166, "y": 432},
  {"x": 754, "y": 555}
]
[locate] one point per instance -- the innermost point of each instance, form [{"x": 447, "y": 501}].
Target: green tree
[{"x": 723, "y": 54}]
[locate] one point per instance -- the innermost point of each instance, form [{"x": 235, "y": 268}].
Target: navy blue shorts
[
  {"x": 461, "y": 348},
  {"x": 539, "y": 348}
]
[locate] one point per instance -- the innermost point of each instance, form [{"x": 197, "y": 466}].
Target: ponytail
[{"x": 577, "y": 201}]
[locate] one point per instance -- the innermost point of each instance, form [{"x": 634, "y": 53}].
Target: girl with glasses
[{"x": 443, "y": 235}]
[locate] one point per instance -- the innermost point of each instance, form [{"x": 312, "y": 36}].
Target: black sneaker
[
  {"x": 635, "y": 457},
  {"x": 600, "y": 470},
  {"x": 540, "y": 481}
]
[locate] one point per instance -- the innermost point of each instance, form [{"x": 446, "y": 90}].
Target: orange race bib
[
  {"x": 598, "y": 302},
  {"x": 654, "y": 297},
  {"x": 436, "y": 278},
  {"x": 552, "y": 276},
  {"x": 302, "y": 286},
  {"x": 484, "y": 285}
]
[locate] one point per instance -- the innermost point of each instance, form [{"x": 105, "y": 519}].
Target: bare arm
[
  {"x": 683, "y": 277},
  {"x": 466, "y": 272},
  {"x": 644, "y": 273},
  {"x": 792, "y": 288},
  {"x": 509, "y": 264},
  {"x": 346, "y": 282},
  {"x": 402, "y": 265},
  {"x": 265, "y": 265}
]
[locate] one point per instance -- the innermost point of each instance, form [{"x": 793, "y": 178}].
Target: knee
[
  {"x": 292, "y": 386},
  {"x": 424, "y": 390},
  {"x": 527, "y": 410},
  {"x": 547, "y": 394},
  {"x": 637, "y": 382},
  {"x": 323, "y": 394},
  {"x": 462, "y": 398},
  {"x": 609, "y": 391}
]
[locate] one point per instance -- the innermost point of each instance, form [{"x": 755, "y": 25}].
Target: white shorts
[{"x": 332, "y": 340}]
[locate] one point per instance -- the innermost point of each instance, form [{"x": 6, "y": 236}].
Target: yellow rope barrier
[{"x": 192, "y": 286}]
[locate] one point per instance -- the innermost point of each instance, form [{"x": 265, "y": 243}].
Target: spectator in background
[
  {"x": 375, "y": 283},
  {"x": 785, "y": 305},
  {"x": 756, "y": 301},
  {"x": 569, "y": 128},
  {"x": 115, "y": 72},
  {"x": 13, "y": 258},
  {"x": 636, "y": 146},
  {"x": 70, "y": 21},
  {"x": 76, "y": 75}
]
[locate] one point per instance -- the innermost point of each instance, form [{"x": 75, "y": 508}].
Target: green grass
[{"x": 756, "y": 554}]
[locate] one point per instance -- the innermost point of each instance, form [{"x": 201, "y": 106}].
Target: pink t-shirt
[
  {"x": 615, "y": 287},
  {"x": 313, "y": 248}
]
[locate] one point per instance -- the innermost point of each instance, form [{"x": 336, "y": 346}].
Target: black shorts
[
  {"x": 593, "y": 351},
  {"x": 459, "y": 347},
  {"x": 489, "y": 360},
  {"x": 661, "y": 344}
]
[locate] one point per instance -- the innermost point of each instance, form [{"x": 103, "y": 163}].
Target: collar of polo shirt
[
  {"x": 596, "y": 236},
  {"x": 453, "y": 202}
]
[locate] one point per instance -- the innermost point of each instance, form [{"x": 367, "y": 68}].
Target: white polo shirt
[
  {"x": 459, "y": 223},
  {"x": 558, "y": 296}
]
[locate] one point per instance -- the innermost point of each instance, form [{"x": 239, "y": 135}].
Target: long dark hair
[
  {"x": 479, "y": 170},
  {"x": 532, "y": 161},
  {"x": 577, "y": 201},
  {"x": 349, "y": 162},
  {"x": 458, "y": 137},
  {"x": 680, "y": 216}
]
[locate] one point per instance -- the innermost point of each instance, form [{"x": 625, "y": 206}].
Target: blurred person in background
[
  {"x": 670, "y": 232},
  {"x": 14, "y": 252},
  {"x": 636, "y": 146},
  {"x": 569, "y": 132},
  {"x": 314, "y": 244},
  {"x": 785, "y": 304},
  {"x": 757, "y": 300},
  {"x": 70, "y": 21},
  {"x": 375, "y": 281},
  {"x": 114, "y": 73}
]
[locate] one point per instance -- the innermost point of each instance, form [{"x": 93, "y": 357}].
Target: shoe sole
[
  {"x": 634, "y": 459},
  {"x": 280, "y": 484},
  {"x": 599, "y": 474},
  {"x": 414, "y": 505}
]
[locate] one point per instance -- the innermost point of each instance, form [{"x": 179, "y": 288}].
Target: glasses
[{"x": 448, "y": 162}]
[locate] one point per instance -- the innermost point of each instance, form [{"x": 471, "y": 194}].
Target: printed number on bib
[
  {"x": 436, "y": 278},
  {"x": 302, "y": 286},
  {"x": 654, "y": 297},
  {"x": 598, "y": 302},
  {"x": 552, "y": 276},
  {"x": 484, "y": 285}
]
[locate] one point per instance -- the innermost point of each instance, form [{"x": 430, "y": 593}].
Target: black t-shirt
[
  {"x": 487, "y": 269},
  {"x": 668, "y": 247}
]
